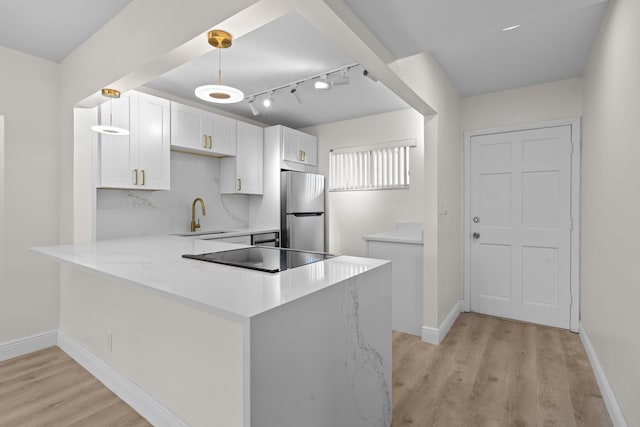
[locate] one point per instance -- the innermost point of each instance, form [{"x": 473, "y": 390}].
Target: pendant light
[
  {"x": 110, "y": 130},
  {"x": 219, "y": 93}
]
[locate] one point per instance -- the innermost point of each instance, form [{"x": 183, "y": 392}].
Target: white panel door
[{"x": 520, "y": 252}]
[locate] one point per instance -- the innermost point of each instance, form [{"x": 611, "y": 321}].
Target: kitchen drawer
[{"x": 266, "y": 239}]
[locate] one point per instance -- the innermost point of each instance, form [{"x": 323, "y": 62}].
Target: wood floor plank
[
  {"x": 495, "y": 372},
  {"x": 48, "y": 388}
]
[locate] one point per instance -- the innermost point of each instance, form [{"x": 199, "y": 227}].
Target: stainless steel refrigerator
[{"x": 302, "y": 211}]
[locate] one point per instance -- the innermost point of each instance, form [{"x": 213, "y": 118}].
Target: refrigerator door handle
[{"x": 307, "y": 214}]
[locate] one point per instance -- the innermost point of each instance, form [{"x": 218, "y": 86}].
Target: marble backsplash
[{"x": 127, "y": 213}]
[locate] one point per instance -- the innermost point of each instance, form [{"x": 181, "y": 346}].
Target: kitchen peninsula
[{"x": 221, "y": 345}]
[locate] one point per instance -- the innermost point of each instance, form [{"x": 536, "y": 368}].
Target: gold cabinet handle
[
  {"x": 300, "y": 155},
  {"x": 142, "y": 176},
  {"x": 205, "y": 141},
  {"x": 239, "y": 184},
  {"x": 304, "y": 156},
  {"x": 135, "y": 180},
  {"x": 210, "y": 141}
]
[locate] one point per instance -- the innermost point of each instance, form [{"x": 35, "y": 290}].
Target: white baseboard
[
  {"x": 27, "y": 345},
  {"x": 615, "y": 413},
  {"x": 437, "y": 335},
  {"x": 143, "y": 403}
]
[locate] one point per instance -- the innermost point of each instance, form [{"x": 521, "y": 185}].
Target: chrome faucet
[{"x": 195, "y": 225}]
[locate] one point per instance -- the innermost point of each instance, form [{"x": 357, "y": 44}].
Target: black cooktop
[{"x": 271, "y": 260}]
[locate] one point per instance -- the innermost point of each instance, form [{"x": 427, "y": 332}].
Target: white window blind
[{"x": 373, "y": 167}]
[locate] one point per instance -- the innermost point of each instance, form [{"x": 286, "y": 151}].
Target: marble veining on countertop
[{"x": 156, "y": 262}]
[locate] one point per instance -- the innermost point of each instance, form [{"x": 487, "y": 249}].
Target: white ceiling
[
  {"x": 51, "y": 29},
  {"x": 464, "y": 36},
  {"x": 286, "y": 50}
]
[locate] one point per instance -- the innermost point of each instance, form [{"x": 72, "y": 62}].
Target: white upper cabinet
[
  {"x": 243, "y": 174},
  {"x": 299, "y": 147},
  {"x": 141, "y": 159},
  {"x": 201, "y": 132}
]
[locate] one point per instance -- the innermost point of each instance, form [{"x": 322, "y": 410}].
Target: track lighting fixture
[
  {"x": 252, "y": 107},
  {"x": 322, "y": 84},
  {"x": 110, "y": 129},
  {"x": 294, "y": 93},
  {"x": 268, "y": 100},
  {"x": 322, "y": 81}
]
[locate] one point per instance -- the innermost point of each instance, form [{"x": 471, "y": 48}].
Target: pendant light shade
[
  {"x": 110, "y": 129},
  {"x": 219, "y": 93}
]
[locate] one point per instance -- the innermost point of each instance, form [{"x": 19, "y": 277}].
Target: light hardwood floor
[
  {"x": 495, "y": 372},
  {"x": 487, "y": 372},
  {"x": 48, "y": 388}
]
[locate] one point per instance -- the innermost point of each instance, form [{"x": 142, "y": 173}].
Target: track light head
[
  {"x": 252, "y": 107},
  {"x": 343, "y": 78},
  {"x": 322, "y": 84},
  {"x": 294, "y": 93},
  {"x": 268, "y": 100}
]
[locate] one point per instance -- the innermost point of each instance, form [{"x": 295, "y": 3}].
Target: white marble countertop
[
  {"x": 156, "y": 263},
  {"x": 403, "y": 233}
]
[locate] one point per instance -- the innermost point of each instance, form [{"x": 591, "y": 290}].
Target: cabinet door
[
  {"x": 308, "y": 145},
  {"x": 153, "y": 142},
  {"x": 299, "y": 147},
  {"x": 249, "y": 158},
  {"x": 243, "y": 174},
  {"x": 223, "y": 131},
  {"x": 290, "y": 145},
  {"x": 188, "y": 127},
  {"x": 119, "y": 154}
]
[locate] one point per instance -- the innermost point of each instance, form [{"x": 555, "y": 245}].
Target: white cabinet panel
[
  {"x": 139, "y": 160},
  {"x": 201, "y": 132},
  {"x": 154, "y": 145},
  {"x": 299, "y": 147},
  {"x": 243, "y": 174}
]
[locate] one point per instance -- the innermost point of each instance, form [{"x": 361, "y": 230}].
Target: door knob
[{"x": 476, "y": 235}]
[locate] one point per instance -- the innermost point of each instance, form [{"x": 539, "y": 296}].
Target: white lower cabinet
[
  {"x": 243, "y": 174},
  {"x": 140, "y": 160}
]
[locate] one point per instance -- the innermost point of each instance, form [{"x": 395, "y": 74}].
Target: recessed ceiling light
[{"x": 511, "y": 28}]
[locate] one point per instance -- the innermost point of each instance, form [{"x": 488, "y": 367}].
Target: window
[{"x": 373, "y": 167}]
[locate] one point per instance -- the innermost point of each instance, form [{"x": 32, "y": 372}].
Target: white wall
[
  {"x": 610, "y": 277},
  {"x": 127, "y": 213},
  {"x": 548, "y": 101},
  {"x": 443, "y": 160},
  {"x": 352, "y": 214},
  {"x": 28, "y": 283}
]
